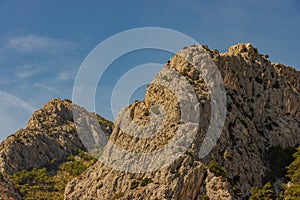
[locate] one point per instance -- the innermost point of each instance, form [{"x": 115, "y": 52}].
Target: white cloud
[
  {"x": 36, "y": 43},
  {"x": 26, "y": 72},
  {"x": 51, "y": 89},
  {"x": 14, "y": 113},
  {"x": 65, "y": 76},
  {"x": 9, "y": 100}
]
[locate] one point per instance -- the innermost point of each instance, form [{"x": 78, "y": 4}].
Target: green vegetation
[
  {"x": 278, "y": 159},
  {"x": 216, "y": 169},
  {"x": 293, "y": 190},
  {"x": 104, "y": 122},
  {"x": 74, "y": 168},
  {"x": 145, "y": 181},
  {"x": 28, "y": 182},
  {"x": 49, "y": 183},
  {"x": 264, "y": 193},
  {"x": 70, "y": 158},
  {"x": 205, "y": 197},
  {"x": 134, "y": 184}
]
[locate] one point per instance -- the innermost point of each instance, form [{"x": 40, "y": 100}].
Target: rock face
[
  {"x": 7, "y": 190},
  {"x": 263, "y": 103},
  {"x": 49, "y": 134}
]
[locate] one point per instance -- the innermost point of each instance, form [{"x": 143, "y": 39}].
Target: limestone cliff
[
  {"x": 49, "y": 135},
  {"x": 263, "y": 102}
]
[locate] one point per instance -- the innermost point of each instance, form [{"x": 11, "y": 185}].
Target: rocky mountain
[
  {"x": 7, "y": 189},
  {"x": 184, "y": 141},
  {"x": 49, "y": 136},
  {"x": 262, "y": 111}
]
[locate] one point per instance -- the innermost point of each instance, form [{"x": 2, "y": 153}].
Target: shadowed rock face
[
  {"x": 262, "y": 111},
  {"x": 7, "y": 190},
  {"x": 49, "y": 134}
]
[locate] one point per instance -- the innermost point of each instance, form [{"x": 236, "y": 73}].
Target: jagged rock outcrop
[
  {"x": 263, "y": 102},
  {"x": 49, "y": 134},
  {"x": 263, "y": 110},
  {"x": 8, "y": 190}
]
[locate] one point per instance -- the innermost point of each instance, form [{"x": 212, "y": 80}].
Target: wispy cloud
[
  {"x": 51, "y": 89},
  {"x": 14, "y": 113},
  {"x": 10, "y": 100},
  {"x": 36, "y": 43},
  {"x": 26, "y": 71},
  {"x": 66, "y": 75}
]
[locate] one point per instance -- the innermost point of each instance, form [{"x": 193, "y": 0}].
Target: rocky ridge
[
  {"x": 50, "y": 135},
  {"x": 262, "y": 111}
]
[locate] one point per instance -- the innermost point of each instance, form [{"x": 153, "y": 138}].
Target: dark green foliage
[
  {"x": 1, "y": 175},
  {"x": 190, "y": 153},
  {"x": 216, "y": 169},
  {"x": 26, "y": 181},
  {"x": 278, "y": 158},
  {"x": 75, "y": 168},
  {"x": 293, "y": 191},
  {"x": 145, "y": 181},
  {"x": 265, "y": 193},
  {"x": 85, "y": 156},
  {"x": 70, "y": 158},
  {"x": 134, "y": 184},
  {"x": 100, "y": 186}
]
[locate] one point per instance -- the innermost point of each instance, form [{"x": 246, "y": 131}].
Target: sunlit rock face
[{"x": 262, "y": 110}]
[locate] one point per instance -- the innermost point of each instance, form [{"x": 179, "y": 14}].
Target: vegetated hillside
[
  {"x": 37, "y": 158},
  {"x": 263, "y": 117}
]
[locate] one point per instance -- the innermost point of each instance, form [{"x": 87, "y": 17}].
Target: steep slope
[
  {"x": 262, "y": 111},
  {"x": 49, "y": 134},
  {"x": 49, "y": 137},
  {"x": 8, "y": 190}
]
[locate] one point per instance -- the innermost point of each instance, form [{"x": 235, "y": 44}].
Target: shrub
[
  {"x": 265, "y": 193},
  {"x": 293, "y": 191},
  {"x": 205, "y": 197},
  {"x": 75, "y": 168},
  {"x": 99, "y": 186},
  {"x": 216, "y": 169},
  {"x": 70, "y": 158},
  {"x": 145, "y": 181},
  {"x": 26, "y": 181},
  {"x": 278, "y": 158},
  {"x": 85, "y": 156},
  {"x": 134, "y": 184}
]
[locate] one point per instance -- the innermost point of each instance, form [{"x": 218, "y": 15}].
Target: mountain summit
[
  {"x": 262, "y": 113},
  {"x": 189, "y": 159}
]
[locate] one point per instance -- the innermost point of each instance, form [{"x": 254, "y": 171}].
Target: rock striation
[{"x": 263, "y": 102}]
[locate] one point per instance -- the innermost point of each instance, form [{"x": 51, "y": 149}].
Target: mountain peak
[{"x": 263, "y": 110}]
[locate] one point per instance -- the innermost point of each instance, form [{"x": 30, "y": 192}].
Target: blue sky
[{"x": 42, "y": 43}]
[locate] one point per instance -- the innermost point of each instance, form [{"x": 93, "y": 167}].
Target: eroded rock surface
[{"x": 263, "y": 103}]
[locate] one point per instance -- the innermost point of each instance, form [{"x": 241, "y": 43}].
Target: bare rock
[{"x": 262, "y": 111}]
